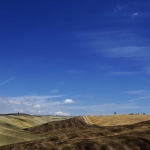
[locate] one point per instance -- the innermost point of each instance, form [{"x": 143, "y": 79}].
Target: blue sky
[{"x": 71, "y": 57}]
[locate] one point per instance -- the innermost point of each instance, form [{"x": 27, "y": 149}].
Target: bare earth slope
[{"x": 76, "y": 134}]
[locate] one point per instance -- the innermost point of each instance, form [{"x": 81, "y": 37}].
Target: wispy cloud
[
  {"x": 14, "y": 102},
  {"x": 60, "y": 107},
  {"x": 32, "y": 98},
  {"x": 7, "y": 81},
  {"x": 117, "y": 43},
  {"x": 128, "y": 51},
  {"x": 35, "y": 104},
  {"x": 135, "y": 14},
  {"x": 136, "y": 92},
  {"x": 106, "y": 108},
  {"x": 140, "y": 98},
  {"x": 118, "y": 8}
]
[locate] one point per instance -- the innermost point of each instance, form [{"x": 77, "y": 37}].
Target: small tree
[
  {"x": 114, "y": 113},
  {"x": 143, "y": 113}
]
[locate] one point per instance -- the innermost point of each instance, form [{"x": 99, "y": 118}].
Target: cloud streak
[
  {"x": 32, "y": 98},
  {"x": 128, "y": 51},
  {"x": 7, "y": 81},
  {"x": 135, "y": 14},
  {"x": 140, "y": 98},
  {"x": 136, "y": 92}
]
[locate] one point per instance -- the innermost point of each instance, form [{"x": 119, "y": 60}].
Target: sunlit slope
[
  {"x": 76, "y": 134},
  {"x": 113, "y": 120},
  {"x": 13, "y": 134},
  {"x": 11, "y": 127},
  {"x": 26, "y": 121}
]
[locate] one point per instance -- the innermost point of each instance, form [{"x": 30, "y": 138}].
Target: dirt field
[{"x": 76, "y": 134}]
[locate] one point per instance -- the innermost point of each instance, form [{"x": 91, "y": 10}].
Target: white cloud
[
  {"x": 37, "y": 106},
  {"x": 135, "y": 14},
  {"x": 33, "y": 104},
  {"x": 68, "y": 101},
  {"x": 62, "y": 113},
  {"x": 14, "y": 102},
  {"x": 45, "y": 107}
]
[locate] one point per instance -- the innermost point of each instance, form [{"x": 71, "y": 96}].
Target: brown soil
[{"x": 75, "y": 134}]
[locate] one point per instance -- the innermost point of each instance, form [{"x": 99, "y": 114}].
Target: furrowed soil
[{"x": 76, "y": 134}]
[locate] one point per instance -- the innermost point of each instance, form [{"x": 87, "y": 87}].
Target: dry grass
[
  {"x": 114, "y": 120},
  {"x": 76, "y": 134},
  {"x": 26, "y": 121},
  {"x": 11, "y": 127}
]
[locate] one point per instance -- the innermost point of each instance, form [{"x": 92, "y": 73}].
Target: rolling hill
[
  {"x": 12, "y": 125},
  {"x": 76, "y": 134},
  {"x": 114, "y": 120}
]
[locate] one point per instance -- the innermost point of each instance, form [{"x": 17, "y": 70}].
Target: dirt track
[{"x": 76, "y": 134}]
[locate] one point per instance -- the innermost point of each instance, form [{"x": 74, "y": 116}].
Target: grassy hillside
[
  {"x": 117, "y": 132},
  {"x": 76, "y": 134},
  {"x": 11, "y": 134},
  {"x": 113, "y": 120},
  {"x": 25, "y": 121},
  {"x": 11, "y": 127}
]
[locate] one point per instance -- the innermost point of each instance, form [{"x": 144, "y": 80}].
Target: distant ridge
[{"x": 15, "y": 114}]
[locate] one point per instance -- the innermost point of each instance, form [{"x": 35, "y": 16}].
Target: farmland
[
  {"x": 115, "y": 132},
  {"x": 114, "y": 120}
]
